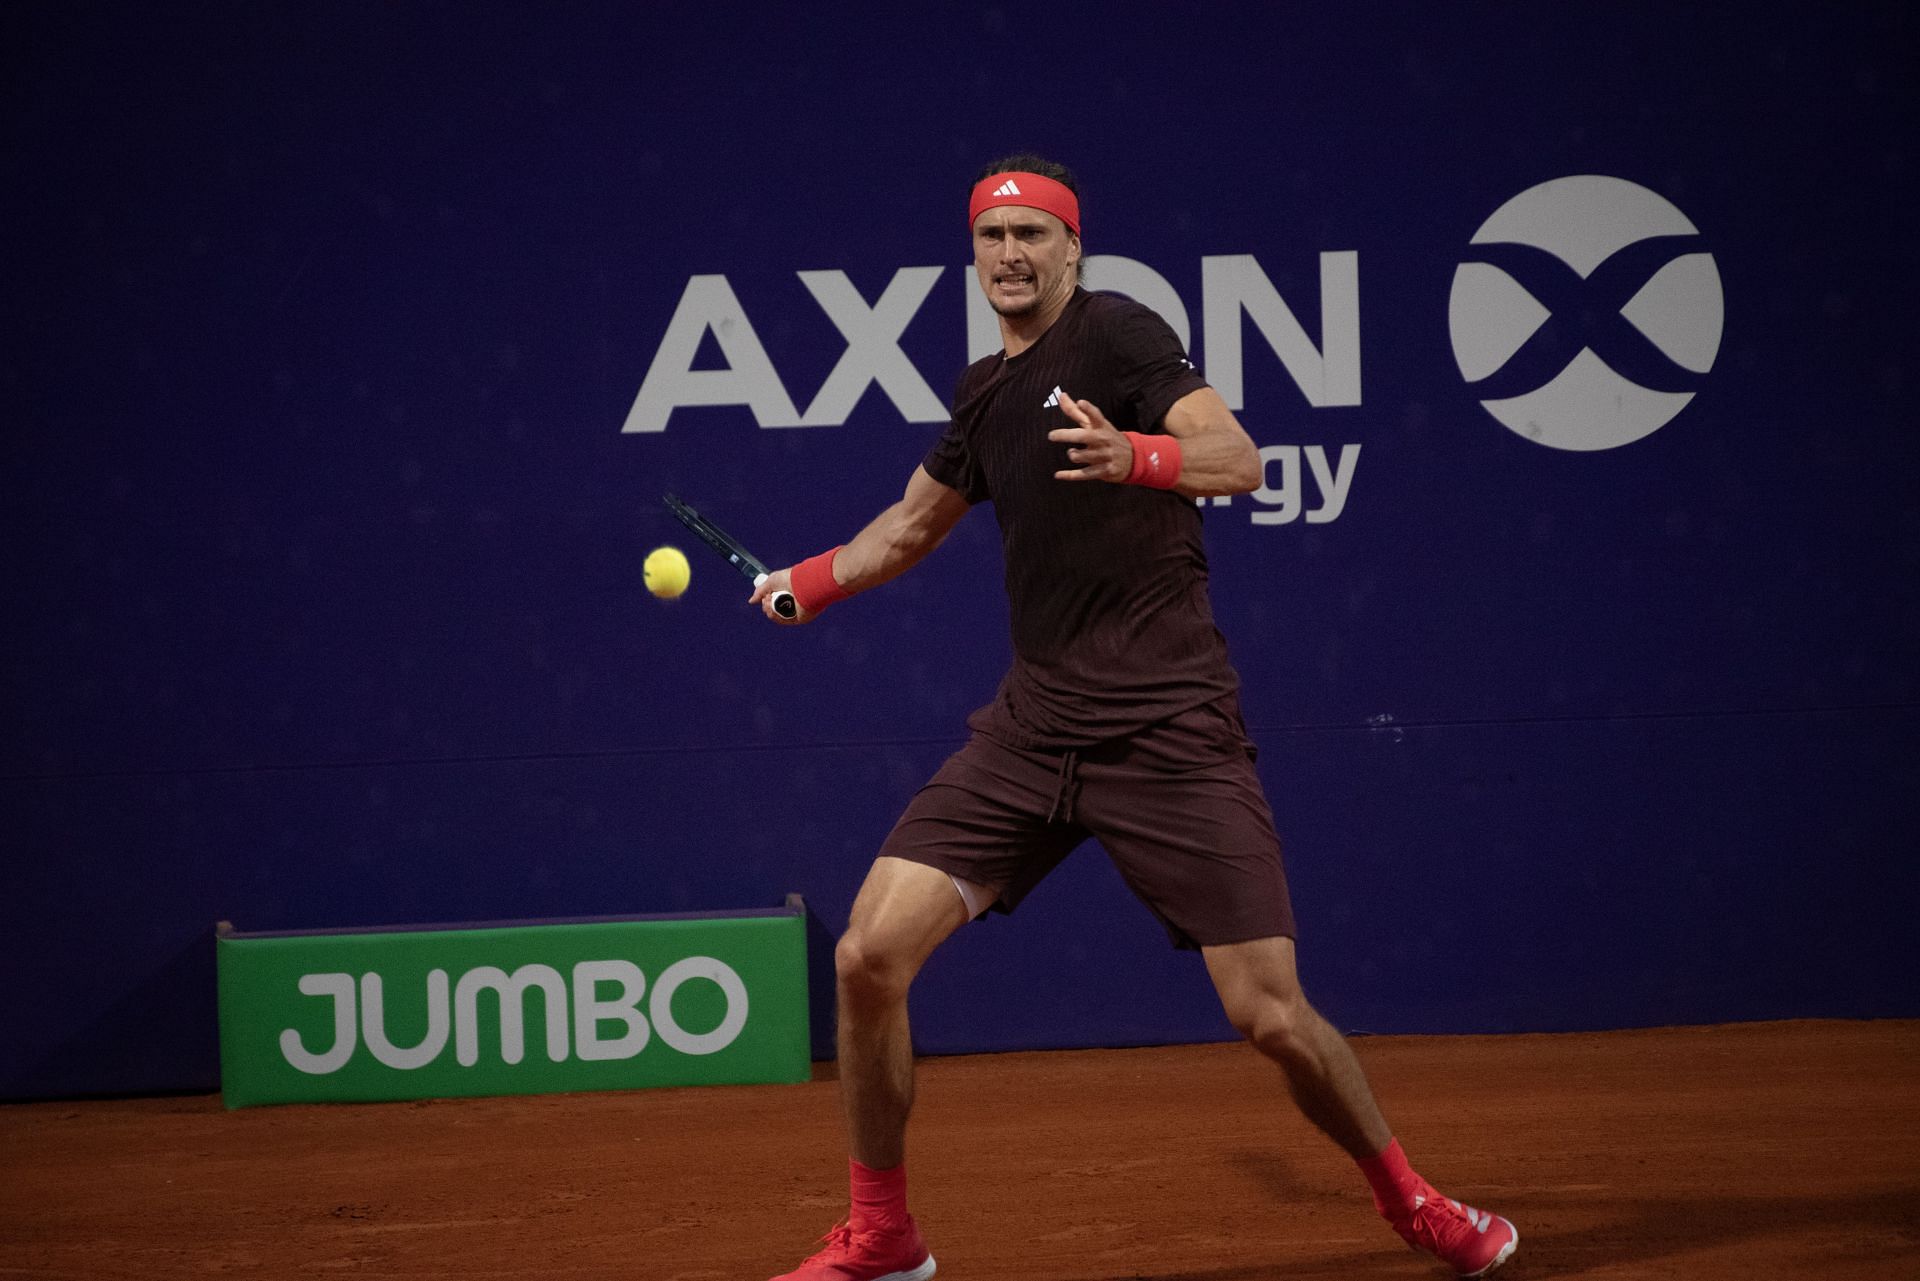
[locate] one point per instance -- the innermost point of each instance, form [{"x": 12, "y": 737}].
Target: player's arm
[
  {"x": 892, "y": 543},
  {"x": 898, "y": 538},
  {"x": 1216, "y": 454}
]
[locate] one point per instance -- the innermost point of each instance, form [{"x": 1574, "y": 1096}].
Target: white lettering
[
  {"x": 661, "y": 1005},
  {"x": 1333, "y": 482},
  {"x": 460, "y": 1016},
  {"x": 373, "y": 1023},
  {"x": 1328, "y": 375},
  {"x": 512, "y": 991},
  {"x": 1233, "y": 287},
  {"x": 340, "y": 988},
  {"x": 672, "y": 381},
  {"x": 589, "y": 1011},
  {"x": 873, "y": 352},
  {"x": 1333, "y": 485}
]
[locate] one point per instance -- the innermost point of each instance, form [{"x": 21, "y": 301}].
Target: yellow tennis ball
[{"x": 667, "y": 572}]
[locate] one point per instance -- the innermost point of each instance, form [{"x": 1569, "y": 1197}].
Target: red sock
[
  {"x": 1393, "y": 1181},
  {"x": 879, "y": 1197}
]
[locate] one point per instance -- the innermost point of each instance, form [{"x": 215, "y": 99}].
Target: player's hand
[
  {"x": 780, "y": 580},
  {"x": 1099, "y": 450}
]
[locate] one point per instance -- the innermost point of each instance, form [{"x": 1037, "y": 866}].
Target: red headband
[{"x": 1030, "y": 190}]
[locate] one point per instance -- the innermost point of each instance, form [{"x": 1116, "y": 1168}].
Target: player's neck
[{"x": 1017, "y": 333}]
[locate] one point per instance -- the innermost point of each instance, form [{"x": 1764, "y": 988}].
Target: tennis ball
[{"x": 666, "y": 571}]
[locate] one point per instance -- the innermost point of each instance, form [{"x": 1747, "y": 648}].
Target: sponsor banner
[{"x": 533, "y": 1008}]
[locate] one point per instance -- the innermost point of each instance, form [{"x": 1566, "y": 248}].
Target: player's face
[{"x": 1026, "y": 259}]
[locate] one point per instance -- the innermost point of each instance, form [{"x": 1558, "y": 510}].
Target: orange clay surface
[{"x": 1746, "y": 1151}]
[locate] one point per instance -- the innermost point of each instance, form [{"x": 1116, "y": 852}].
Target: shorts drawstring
[{"x": 1062, "y": 807}]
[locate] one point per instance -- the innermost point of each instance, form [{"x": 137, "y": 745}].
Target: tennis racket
[{"x": 737, "y": 556}]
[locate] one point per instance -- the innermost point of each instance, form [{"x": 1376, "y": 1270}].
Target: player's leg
[
  {"x": 1259, "y": 987},
  {"x": 980, "y": 826},
  {"x": 1181, "y": 810},
  {"x": 1260, "y": 990},
  {"x": 902, "y": 913}
]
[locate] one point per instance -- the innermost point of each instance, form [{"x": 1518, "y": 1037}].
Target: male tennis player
[{"x": 1091, "y": 434}]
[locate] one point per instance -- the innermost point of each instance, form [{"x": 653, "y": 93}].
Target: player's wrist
[
  {"x": 814, "y": 586},
  {"x": 1156, "y": 461}
]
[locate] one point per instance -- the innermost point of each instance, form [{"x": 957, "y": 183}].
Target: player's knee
[
  {"x": 1276, "y": 1024},
  {"x": 868, "y": 970}
]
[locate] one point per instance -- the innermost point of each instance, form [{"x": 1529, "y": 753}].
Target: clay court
[{"x": 1711, "y": 1154}]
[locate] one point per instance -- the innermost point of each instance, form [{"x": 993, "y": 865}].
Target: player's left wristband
[
  {"x": 1156, "y": 460},
  {"x": 813, "y": 583}
]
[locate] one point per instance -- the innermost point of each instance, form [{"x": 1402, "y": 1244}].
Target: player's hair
[{"x": 1027, "y": 162}]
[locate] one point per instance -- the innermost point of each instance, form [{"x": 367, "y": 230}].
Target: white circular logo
[{"x": 1588, "y": 314}]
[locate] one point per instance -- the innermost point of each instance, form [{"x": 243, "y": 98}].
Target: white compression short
[{"x": 977, "y": 898}]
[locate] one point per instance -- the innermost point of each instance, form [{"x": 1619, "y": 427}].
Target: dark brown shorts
[{"x": 1178, "y": 807}]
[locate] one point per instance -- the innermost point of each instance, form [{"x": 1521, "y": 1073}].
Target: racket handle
[{"x": 782, "y": 601}]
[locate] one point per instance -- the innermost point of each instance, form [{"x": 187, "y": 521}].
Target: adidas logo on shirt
[
  {"x": 1052, "y": 401},
  {"x": 1007, "y": 188}
]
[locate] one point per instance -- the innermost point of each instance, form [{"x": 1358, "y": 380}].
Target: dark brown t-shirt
[{"x": 1107, "y": 584}]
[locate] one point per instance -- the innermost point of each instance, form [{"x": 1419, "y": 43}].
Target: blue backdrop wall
[{"x": 1577, "y": 617}]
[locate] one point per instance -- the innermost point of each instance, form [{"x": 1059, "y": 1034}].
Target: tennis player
[{"x": 1091, "y": 434}]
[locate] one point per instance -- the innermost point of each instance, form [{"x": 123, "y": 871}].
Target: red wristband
[
  {"x": 1156, "y": 460},
  {"x": 814, "y": 585}
]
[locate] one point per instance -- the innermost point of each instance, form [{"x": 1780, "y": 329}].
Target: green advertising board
[{"x": 533, "y": 1008}]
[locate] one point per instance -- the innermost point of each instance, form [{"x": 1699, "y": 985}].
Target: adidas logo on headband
[{"x": 1007, "y": 188}]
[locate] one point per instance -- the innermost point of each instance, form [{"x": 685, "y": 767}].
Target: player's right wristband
[{"x": 813, "y": 583}]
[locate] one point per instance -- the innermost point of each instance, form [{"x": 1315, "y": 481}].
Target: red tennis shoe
[
  {"x": 846, "y": 1255},
  {"x": 1471, "y": 1242}
]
